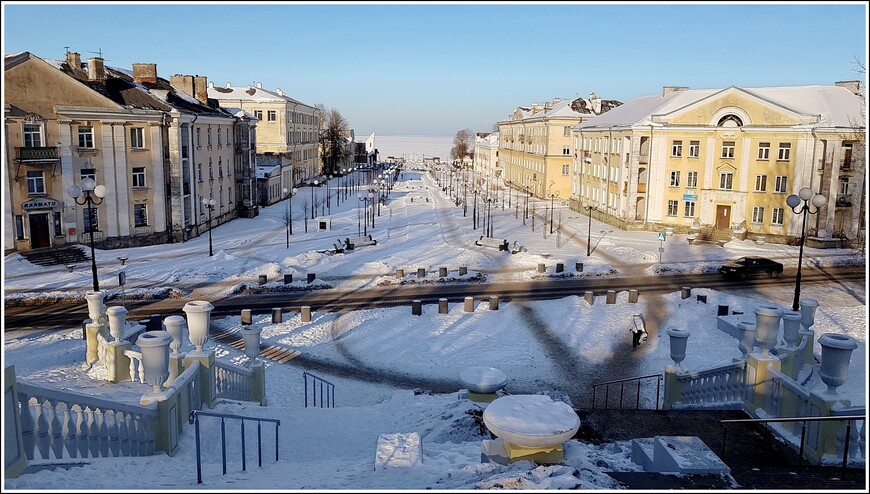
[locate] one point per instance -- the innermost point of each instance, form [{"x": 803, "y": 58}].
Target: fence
[
  {"x": 621, "y": 383},
  {"x": 326, "y": 388},
  {"x": 194, "y": 420}
]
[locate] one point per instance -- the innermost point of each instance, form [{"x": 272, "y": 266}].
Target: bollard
[
  {"x": 400, "y": 273},
  {"x": 421, "y": 272},
  {"x": 590, "y": 298},
  {"x": 611, "y": 296},
  {"x": 442, "y": 272},
  {"x": 723, "y": 310},
  {"x": 305, "y": 310},
  {"x": 578, "y": 267},
  {"x": 632, "y": 296},
  {"x": 493, "y": 302},
  {"x": 469, "y": 304},
  {"x": 442, "y": 306},
  {"x": 463, "y": 270},
  {"x": 311, "y": 277},
  {"x": 246, "y": 317},
  {"x": 288, "y": 278},
  {"x": 686, "y": 292},
  {"x": 560, "y": 267},
  {"x": 416, "y": 307},
  {"x": 276, "y": 315},
  {"x": 542, "y": 268},
  {"x": 262, "y": 279},
  {"x": 701, "y": 298}
]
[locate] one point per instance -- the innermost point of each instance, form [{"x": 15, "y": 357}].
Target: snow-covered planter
[
  {"x": 117, "y": 321},
  {"x": 836, "y": 353},
  {"x": 154, "y": 346},
  {"x": 96, "y": 307},
  {"x": 198, "y": 321}
]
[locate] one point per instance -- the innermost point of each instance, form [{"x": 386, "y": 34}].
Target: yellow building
[
  {"x": 535, "y": 150},
  {"x": 723, "y": 161}
]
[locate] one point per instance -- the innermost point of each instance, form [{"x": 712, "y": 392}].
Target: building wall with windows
[
  {"x": 486, "y": 154},
  {"x": 725, "y": 159}
]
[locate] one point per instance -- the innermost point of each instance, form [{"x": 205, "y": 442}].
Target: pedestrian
[
  {"x": 635, "y": 336},
  {"x": 638, "y": 330}
]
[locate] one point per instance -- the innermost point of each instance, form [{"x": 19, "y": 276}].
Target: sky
[
  {"x": 434, "y": 68},
  {"x": 377, "y": 358}
]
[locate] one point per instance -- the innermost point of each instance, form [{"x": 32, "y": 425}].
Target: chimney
[
  {"x": 183, "y": 83},
  {"x": 145, "y": 72},
  {"x": 200, "y": 86},
  {"x": 229, "y": 85},
  {"x": 259, "y": 85},
  {"x": 211, "y": 84},
  {"x": 666, "y": 90},
  {"x": 280, "y": 93},
  {"x": 595, "y": 102},
  {"x": 96, "y": 70},
  {"x": 854, "y": 86},
  {"x": 74, "y": 60}
]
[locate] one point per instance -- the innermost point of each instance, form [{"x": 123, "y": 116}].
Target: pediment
[{"x": 735, "y": 104}]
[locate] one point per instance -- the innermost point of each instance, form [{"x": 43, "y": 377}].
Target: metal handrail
[
  {"x": 804, "y": 420},
  {"x": 330, "y": 391},
  {"x": 621, "y": 383},
  {"x": 194, "y": 419}
]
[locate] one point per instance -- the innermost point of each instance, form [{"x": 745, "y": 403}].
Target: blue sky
[{"x": 436, "y": 68}]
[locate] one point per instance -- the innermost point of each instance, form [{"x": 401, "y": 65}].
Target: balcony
[
  {"x": 844, "y": 200},
  {"x": 37, "y": 154}
]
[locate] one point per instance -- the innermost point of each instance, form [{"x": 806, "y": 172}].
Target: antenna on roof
[
  {"x": 67, "y": 49},
  {"x": 99, "y": 52}
]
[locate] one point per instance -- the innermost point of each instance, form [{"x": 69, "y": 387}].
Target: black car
[{"x": 751, "y": 265}]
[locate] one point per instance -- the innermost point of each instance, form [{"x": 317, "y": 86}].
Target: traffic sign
[{"x": 661, "y": 236}]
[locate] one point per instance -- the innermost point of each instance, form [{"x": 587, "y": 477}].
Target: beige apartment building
[
  {"x": 285, "y": 126},
  {"x": 535, "y": 147},
  {"x": 725, "y": 160},
  {"x": 486, "y": 155}
]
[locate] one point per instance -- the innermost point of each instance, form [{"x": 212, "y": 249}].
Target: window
[
  {"x": 691, "y": 179},
  {"x": 566, "y": 150},
  {"x": 32, "y": 135},
  {"x": 210, "y": 170},
  {"x": 90, "y": 221},
  {"x": 273, "y": 115},
  {"x": 258, "y": 114},
  {"x": 784, "y": 151},
  {"x": 218, "y": 132},
  {"x": 208, "y": 136},
  {"x": 137, "y": 138},
  {"x": 35, "y": 183},
  {"x": 199, "y": 171},
  {"x": 138, "y": 177},
  {"x": 844, "y": 186},
  {"x": 760, "y": 183},
  {"x": 677, "y": 149},
  {"x": 565, "y": 170},
  {"x": 694, "y": 149},
  {"x": 758, "y": 214},
  {"x": 229, "y": 141},
  {"x": 673, "y": 207},
  {"x": 689, "y": 211},
  {"x": 725, "y": 179},
  {"x": 198, "y": 138},
  {"x": 780, "y": 184},
  {"x": 728, "y": 149},
  {"x": 58, "y": 229},
  {"x": 86, "y": 136},
  {"x": 140, "y": 215},
  {"x": 763, "y": 150},
  {"x": 19, "y": 227},
  {"x": 90, "y": 173},
  {"x": 675, "y": 179},
  {"x": 777, "y": 218},
  {"x": 220, "y": 167}
]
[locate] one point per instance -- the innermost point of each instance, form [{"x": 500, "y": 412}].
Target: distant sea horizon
[{"x": 412, "y": 147}]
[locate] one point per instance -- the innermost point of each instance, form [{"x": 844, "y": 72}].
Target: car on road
[{"x": 750, "y": 265}]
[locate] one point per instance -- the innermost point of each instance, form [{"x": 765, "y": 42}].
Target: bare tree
[
  {"x": 287, "y": 220},
  {"x": 305, "y": 206},
  {"x": 333, "y": 136},
  {"x": 463, "y": 145}
]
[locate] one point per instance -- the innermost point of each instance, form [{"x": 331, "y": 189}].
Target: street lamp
[
  {"x": 526, "y": 206},
  {"x": 553, "y": 196},
  {"x": 794, "y": 202},
  {"x": 93, "y": 196},
  {"x": 489, "y": 199},
  {"x": 209, "y": 203},
  {"x": 288, "y": 195},
  {"x": 366, "y": 199},
  {"x": 589, "y": 207},
  {"x": 313, "y": 184}
]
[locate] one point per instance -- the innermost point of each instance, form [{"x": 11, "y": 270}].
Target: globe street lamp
[
  {"x": 313, "y": 184},
  {"x": 589, "y": 207},
  {"x": 209, "y": 204},
  {"x": 288, "y": 195},
  {"x": 553, "y": 196},
  {"x": 366, "y": 199},
  {"x": 806, "y": 196},
  {"x": 488, "y": 228},
  {"x": 93, "y": 196}
]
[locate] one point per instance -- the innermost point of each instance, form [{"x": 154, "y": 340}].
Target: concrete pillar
[
  {"x": 469, "y": 304},
  {"x": 589, "y": 296},
  {"x": 276, "y": 315},
  {"x": 686, "y": 292},
  {"x": 560, "y": 267},
  {"x": 442, "y": 306},
  {"x": 723, "y": 310},
  {"x": 262, "y": 280},
  {"x": 493, "y": 302},
  {"x": 305, "y": 311},
  {"x": 611, "y": 296},
  {"x": 421, "y": 272},
  {"x": 442, "y": 272},
  {"x": 246, "y": 317},
  {"x": 288, "y": 278},
  {"x": 258, "y": 387},
  {"x": 400, "y": 273},
  {"x": 416, "y": 308},
  {"x": 632, "y": 296},
  {"x": 542, "y": 268},
  {"x": 311, "y": 277},
  {"x": 463, "y": 270},
  {"x": 206, "y": 376},
  {"x": 578, "y": 267}
]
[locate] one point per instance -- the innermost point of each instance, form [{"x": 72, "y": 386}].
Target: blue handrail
[
  {"x": 322, "y": 384},
  {"x": 194, "y": 419}
]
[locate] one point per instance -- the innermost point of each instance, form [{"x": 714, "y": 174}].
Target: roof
[
  {"x": 250, "y": 94},
  {"x": 264, "y": 171}
]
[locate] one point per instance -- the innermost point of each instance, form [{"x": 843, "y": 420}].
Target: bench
[
  {"x": 498, "y": 243},
  {"x": 354, "y": 242},
  {"x": 516, "y": 248},
  {"x": 339, "y": 246}
]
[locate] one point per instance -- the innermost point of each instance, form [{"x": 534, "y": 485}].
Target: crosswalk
[{"x": 233, "y": 338}]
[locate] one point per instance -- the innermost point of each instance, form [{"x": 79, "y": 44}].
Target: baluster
[
  {"x": 93, "y": 433},
  {"x": 135, "y": 425},
  {"x": 123, "y": 434},
  {"x": 104, "y": 433},
  {"x": 149, "y": 430},
  {"x": 862, "y": 439},
  {"x": 84, "y": 431},
  {"x": 27, "y": 424},
  {"x": 132, "y": 369},
  {"x": 71, "y": 430},
  {"x": 142, "y": 436},
  {"x": 42, "y": 430},
  {"x": 56, "y": 432}
]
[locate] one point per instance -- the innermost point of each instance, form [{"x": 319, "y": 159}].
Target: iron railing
[
  {"x": 621, "y": 383},
  {"x": 49, "y": 153},
  {"x": 326, "y": 388},
  {"x": 194, "y": 419}
]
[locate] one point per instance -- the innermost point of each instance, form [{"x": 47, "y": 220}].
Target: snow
[
  {"x": 397, "y": 374},
  {"x": 531, "y": 421}
]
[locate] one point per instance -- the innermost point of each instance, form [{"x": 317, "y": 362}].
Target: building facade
[
  {"x": 725, "y": 160},
  {"x": 486, "y": 155}
]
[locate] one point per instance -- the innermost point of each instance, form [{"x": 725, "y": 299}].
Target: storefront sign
[
  {"x": 38, "y": 204},
  {"x": 690, "y": 197}
]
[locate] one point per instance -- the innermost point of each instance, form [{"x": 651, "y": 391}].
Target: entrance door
[
  {"x": 723, "y": 217},
  {"x": 39, "y": 236}
]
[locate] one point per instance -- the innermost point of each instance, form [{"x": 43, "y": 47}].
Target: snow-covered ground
[{"x": 385, "y": 363}]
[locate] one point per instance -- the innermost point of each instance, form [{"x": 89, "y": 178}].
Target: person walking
[{"x": 637, "y": 330}]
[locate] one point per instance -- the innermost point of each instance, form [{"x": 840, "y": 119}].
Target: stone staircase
[
  {"x": 53, "y": 256},
  {"x": 711, "y": 236}
]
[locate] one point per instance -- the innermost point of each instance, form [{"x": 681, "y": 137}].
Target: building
[
  {"x": 486, "y": 154},
  {"x": 726, "y": 159},
  {"x": 286, "y": 126},
  {"x": 535, "y": 147}
]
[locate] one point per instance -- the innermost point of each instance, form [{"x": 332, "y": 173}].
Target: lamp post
[
  {"x": 589, "y": 207},
  {"x": 806, "y": 196},
  {"x": 488, "y": 228},
  {"x": 553, "y": 196},
  {"x": 526, "y": 207},
  {"x": 93, "y": 196},
  {"x": 313, "y": 184},
  {"x": 366, "y": 199},
  {"x": 328, "y": 206},
  {"x": 209, "y": 204},
  {"x": 288, "y": 195}
]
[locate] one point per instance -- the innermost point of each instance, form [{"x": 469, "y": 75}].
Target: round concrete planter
[
  {"x": 808, "y": 312},
  {"x": 117, "y": 320},
  {"x": 198, "y": 321},
  {"x": 678, "y": 339},
  {"x": 791, "y": 325},
  {"x": 483, "y": 380},
  {"x": 96, "y": 308},
  {"x": 767, "y": 319},
  {"x": 175, "y": 328},
  {"x": 746, "y": 337},
  {"x": 531, "y": 421},
  {"x": 251, "y": 337},
  {"x": 154, "y": 346},
  {"x": 836, "y": 353}
]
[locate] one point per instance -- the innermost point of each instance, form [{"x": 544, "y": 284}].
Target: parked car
[{"x": 748, "y": 265}]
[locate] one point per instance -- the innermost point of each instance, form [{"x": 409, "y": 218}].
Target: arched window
[{"x": 730, "y": 120}]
